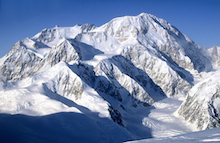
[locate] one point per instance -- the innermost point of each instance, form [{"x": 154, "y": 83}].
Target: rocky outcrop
[
  {"x": 114, "y": 70},
  {"x": 171, "y": 81},
  {"x": 201, "y": 106},
  {"x": 19, "y": 63}
]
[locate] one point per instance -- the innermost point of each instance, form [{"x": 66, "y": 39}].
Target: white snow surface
[
  {"x": 163, "y": 122},
  {"x": 49, "y": 93},
  {"x": 41, "y": 96},
  {"x": 207, "y": 136},
  {"x": 201, "y": 107},
  {"x": 29, "y": 96}
]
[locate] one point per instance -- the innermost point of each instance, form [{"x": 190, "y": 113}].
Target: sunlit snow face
[{"x": 115, "y": 77}]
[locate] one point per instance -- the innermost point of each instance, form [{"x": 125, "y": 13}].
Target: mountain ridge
[{"x": 120, "y": 71}]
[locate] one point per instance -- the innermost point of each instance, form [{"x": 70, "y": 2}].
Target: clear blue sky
[{"x": 198, "y": 19}]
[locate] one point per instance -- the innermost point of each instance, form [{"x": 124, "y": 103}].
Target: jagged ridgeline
[
  {"x": 202, "y": 105},
  {"x": 145, "y": 40},
  {"x": 113, "y": 70}
]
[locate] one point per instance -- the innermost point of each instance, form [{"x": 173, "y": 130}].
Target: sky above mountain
[{"x": 198, "y": 19}]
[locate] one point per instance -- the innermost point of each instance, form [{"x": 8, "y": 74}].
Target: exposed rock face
[
  {"x": 48, "y": 35},
  {"x": 67, "y": 84},
  {"x": 19, "y": 63},
  {"x": 156, "y": 35},
  {"x": 116, "y": 116},
  {"x": 125, "y": 65},
  {"x": 122, "y": 74},
  {"x": 148, "y": 31},
  {"x": 63, "y": 51},
  {"x": 175, "y": 45},
  {"x": 171, "y": 80},
  {"x": 201, "y": 106}
]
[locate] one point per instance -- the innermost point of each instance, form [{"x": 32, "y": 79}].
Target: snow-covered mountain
[
  {"x": 202, "y": 105},
  {"x": 19, "y": 62},
  {"x": 123, "y": 78}
]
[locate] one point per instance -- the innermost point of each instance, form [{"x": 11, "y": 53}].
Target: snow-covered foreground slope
[
  {"x": 61, "y": 96},
  {"x": 212, "y": 135},
  {"x": 162, "y": 119},
  {"x": 57, "y": 101},
  {"x": 117, "y": 82}
]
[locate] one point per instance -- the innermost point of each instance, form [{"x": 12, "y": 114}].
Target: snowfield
[
  {"x": 133, "y": 78},
  {"x": 207, "y": 136}
]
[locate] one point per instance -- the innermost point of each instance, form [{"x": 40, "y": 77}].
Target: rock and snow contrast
[
  {"x": 133, "y": 78},
  {"x": 202, "y": 105}
]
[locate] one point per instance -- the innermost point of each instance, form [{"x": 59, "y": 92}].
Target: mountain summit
[{"x": 110, "y": 76}]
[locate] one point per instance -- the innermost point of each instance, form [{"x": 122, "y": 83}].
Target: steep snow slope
[
  {"x": 63, "y": 51},
  {"x": 39, "y": 48},
  {"x": 162, "y": 119},
  {"x": 151, "y": 32},
  {"x": 18, "y": 63},
  {"x": 58, "y": 89},
  {"x": 171, "y": 43},
  {"x": 58, "y": 80},
  {"x": 146, "y": 30},
  {"x": 115, "y": 77},
  {"x": 164, "y": 43},
  {"x": 113, "y": 71},
  {"x": 70, "y": 50},
  {"x": 201, "y": 106},
  {"x": 26, "y": 54},
  {"x": 172, "y": 80}
]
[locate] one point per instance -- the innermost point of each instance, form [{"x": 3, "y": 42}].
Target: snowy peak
[
  {"x": 63, "y": 51},
  {"x": 151, "y": 32},
  {"x": 123, "y": 27},
  {"x": 135, "y": 25},
  {"x": 19, "y": 62},
  {"x": 47, "y": 36},
  {"x": 72, "y": 32},
  {"x": 169, "y": 41},
  {"x": 30, "y": 43},
  {"x": 66, "y": 83},
  {"x": 70, "y": 51},
  {"x": 22, "y": 45},
  {"x": 116, "y": 75},
  {"x": 87, "y": 27},
  {"x": 52, "y": 36},
  {"x": 155, "y": 20}
]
